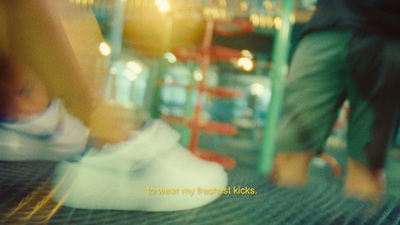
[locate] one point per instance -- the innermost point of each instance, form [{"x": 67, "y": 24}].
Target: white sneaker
[
  {"x": 121, "y": 176},
  {"x": 51, "y": 135}
]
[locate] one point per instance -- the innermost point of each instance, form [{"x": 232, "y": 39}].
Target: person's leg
[
  {"x": 360, "y": 182},
  {"x": 374, "y": 96},
  {"x": 290, "y": 169},
  {"x": 315, "y": 91}
]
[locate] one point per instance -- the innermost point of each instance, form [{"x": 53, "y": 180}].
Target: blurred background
[
  {"x": 209, "y": 62},
  {"x": 153, "y": 51},
  {"x": 213, "y": 60}
]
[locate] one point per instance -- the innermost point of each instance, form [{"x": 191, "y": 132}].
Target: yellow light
[
  {"x": 222, "y": 14},
  {"x": 256, "y": 89},
  {"x": 268, "y": 5},
  {"x": 131, "y": 75},
  {"x": 292, "y": 18},
  {"x": 162, "y": 5},
  {"x": 246, "y": 53},
  {"x": 198, "y": 76},
  {"x": 245, "y": 63},
  {"x": 278, "y": 23},
  {"x": 263, "y": 21},
  {"x": 243, "y": 6},
  {"x": 170, "y": 57},
  {"x": 270, "y": 22},
  {"x": 134, "y": 67},
  {"x": 255, "y": 19},
  {"x": 248, "y": 66},
  {"x": 105, "y": 49}
]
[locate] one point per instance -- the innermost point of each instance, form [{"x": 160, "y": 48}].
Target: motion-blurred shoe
[{"x": 130, "y": 175}]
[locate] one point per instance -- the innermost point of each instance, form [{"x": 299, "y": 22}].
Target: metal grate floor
[{"x": 24, "y": 199}]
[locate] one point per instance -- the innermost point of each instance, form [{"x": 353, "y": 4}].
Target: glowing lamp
[{"x": 154, "y": 27}]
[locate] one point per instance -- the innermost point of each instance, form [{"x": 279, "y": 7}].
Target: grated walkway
[{"x": 24, "y": 199}]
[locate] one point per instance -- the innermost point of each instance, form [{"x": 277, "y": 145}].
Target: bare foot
[
  {"x": 290, "y": 169},
  {"x": 362, "y": 183}
]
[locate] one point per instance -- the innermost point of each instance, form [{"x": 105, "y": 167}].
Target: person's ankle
[
  {"x": 290, "y": 169},
  {"x": 362, "y": 183}
]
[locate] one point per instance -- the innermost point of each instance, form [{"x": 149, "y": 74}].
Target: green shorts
[{"x": 329, "y": 67}]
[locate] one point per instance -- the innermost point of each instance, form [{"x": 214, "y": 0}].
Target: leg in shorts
[{"x": 328, "y": 67}]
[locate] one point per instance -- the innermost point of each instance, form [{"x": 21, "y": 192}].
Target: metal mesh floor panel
[{"x": 24, "y": 199}]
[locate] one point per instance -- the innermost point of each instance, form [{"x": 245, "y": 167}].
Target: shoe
[
  {"x": 131, "y": 175},
  {"x": 52, "y": 135}
]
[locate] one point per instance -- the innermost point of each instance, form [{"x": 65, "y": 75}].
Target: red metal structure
[{"x": 204, "y": 55}]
